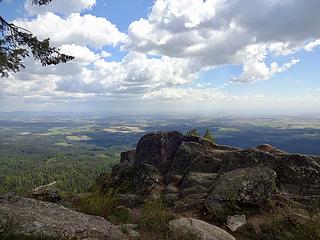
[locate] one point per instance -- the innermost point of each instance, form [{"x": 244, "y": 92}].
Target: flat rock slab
[
  {"x": 25, "y": 217},
  {"x": 200, "y": 229}
]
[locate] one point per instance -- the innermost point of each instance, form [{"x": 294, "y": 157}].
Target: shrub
[
  {"x": 155, "y": 218},
  {"x": 120, "y": 215},
  {"x": 209, "y": 136},
  {"x": 96, "y": 204}
]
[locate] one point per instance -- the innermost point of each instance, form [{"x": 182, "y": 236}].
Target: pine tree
[
  {"x": 18, "y": 43},
  {"x": 193, "y": 132},
  {"x": 209, "y": 136}
]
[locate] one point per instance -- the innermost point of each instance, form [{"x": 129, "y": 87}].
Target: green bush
[
  {"x": 120, "y": 215},
  {"x": 209, "y": 136},
  {"x": 155, "y": 218},
  {"x": 96, "y": 204},
  {"x": 104, "y": 205}
]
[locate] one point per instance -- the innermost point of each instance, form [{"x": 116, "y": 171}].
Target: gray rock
[
  {"x": 236, "y": 221},
  {"x": 158, "y": 149},
  {"x": 206, "y": 164},
  {"x": 298, "y": 169},
  {"x": 248, "y": 186},
  {"x": 48, "y": 193},
  {"x": 33, "y": 218},
  {"x": 198, "y": 229}
]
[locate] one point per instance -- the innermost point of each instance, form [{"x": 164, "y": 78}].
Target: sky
[{"x": 170, "y": 56}]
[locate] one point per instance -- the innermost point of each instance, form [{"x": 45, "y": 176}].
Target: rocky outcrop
[
  {"x": 192, "y": 173},
  {"x": 189, "y": 228},
  {"x": 32, "y": 219}
]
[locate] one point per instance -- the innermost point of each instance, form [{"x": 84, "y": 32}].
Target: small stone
[{"x": 236, "y": 221}]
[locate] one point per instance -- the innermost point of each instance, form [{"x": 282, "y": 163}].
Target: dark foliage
[{"x": 17, "y": 43}]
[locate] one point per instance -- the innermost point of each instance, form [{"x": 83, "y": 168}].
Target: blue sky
[{"x": 170, "y": 56}]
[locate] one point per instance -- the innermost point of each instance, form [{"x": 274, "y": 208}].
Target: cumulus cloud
[
  {"x": 135, "y": 74},
  {"x": 254, "y": 66},
  {"x": 166, "y": 51},
  {"x": 91, "y": 75},
  {"x": 60, "y": 6},
  {"x": 74, "y": 29},
  {"x": 216, "y": 32}
]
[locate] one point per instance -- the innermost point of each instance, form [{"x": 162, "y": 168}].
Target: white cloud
[
  {"x": 254, "y": 66},
  {"x": 215, "y": 32},
  {"x": 310, "y": 46},
  {"x": 91, "y": 75},
  {"x": 135, "y": 74},
  {"x": 74, "y": 29},
  {"x": 166, "y": 51},
  {"x": 81, "y": 54},
  {"x": 60, "y": 6}
]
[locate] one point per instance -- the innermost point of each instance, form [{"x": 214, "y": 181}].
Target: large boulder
[
  {"x": 299, "y": 175},
  {"x": 32, "y": 219},
  {"x": 190, "y": 228},
  {"x": 248, "y": 186},
  {"x": 158, "y": 149},
  {"x": 247, "y": 159},
  {"x": 298, "y": 169}
]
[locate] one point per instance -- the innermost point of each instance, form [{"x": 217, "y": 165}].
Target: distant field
[{"x": 75, "y": 152}]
